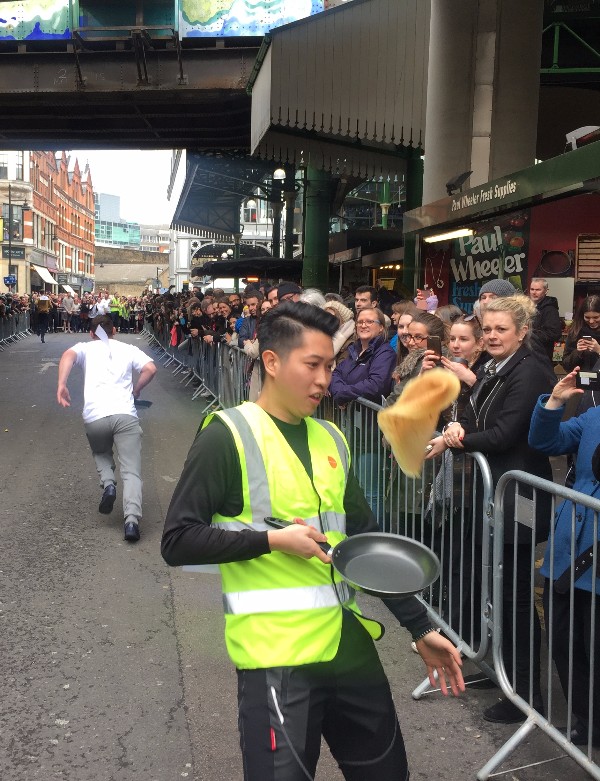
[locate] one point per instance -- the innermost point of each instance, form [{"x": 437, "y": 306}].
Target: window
[
  {"x": 19, "y": 172},
  {"x": 13, "y": 223},
  {"x": 3, "y": 165}
]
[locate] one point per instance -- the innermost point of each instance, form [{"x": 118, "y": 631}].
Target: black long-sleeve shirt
[{"x": 211, "y": 482}]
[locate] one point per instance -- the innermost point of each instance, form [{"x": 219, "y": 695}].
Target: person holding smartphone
[
  {"x": 420, "y": 357},
  {"x": 583, "y": 339}
]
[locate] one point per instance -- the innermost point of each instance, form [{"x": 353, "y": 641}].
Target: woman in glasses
[
  {"x": 414, "y": 340},
  {"x": 367, "y": 371}
]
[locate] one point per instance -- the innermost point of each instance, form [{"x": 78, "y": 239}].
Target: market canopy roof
[
  {"x": 344, "y": 90},
  {"x": 215, "y": 186},
  {"x": 279, "y": 268}
]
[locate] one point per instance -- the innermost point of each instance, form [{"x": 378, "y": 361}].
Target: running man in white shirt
[{"x": 109, "y": 415}]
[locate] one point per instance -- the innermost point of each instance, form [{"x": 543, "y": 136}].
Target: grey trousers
[{"x": 125, "y": 433}]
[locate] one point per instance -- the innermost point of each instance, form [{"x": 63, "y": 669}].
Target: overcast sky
[{"x": 139, "y": 178}]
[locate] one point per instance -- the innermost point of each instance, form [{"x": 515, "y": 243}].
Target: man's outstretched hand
[{"x": 442, "y": 657}]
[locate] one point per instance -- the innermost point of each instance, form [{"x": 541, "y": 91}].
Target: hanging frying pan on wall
[
  {"x": 380, "y": 564},
  {"x": 555, "y": 263}
]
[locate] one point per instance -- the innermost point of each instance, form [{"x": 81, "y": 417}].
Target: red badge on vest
[{"x": 332, "y": 462}]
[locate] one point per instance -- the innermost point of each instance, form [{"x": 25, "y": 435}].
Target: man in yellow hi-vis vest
[{"x": 306, "y": 663}]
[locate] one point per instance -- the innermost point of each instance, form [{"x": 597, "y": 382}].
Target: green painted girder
[{"x": 556, "y": 27}]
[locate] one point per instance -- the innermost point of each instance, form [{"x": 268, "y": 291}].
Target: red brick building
[{"x": 60, "y": 227}]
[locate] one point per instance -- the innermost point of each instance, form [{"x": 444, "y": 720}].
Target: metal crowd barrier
[
  {"x": 220, "y": 373},
  {"x": 450, "y": 507},
  {"x": 535, "y": 500},
  {"x": 14, "y": 328}
]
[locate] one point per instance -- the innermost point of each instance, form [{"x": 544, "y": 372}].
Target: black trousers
[
  {"x": 347, "y": 701},
  {"x": 582, "y": 648}
]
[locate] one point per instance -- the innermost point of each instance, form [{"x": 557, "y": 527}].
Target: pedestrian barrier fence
[
  {"x": 485, "y": 597},
  {"x": 572, "y": 630},
  {"x": 14, "y": 328}
]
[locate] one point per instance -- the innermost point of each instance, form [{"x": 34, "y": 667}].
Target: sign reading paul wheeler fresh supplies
[
  {"x": 487, "y": 195},
  {"x": 570, "y": 173}
]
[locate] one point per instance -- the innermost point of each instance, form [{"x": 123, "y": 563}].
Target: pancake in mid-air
[{"x": 408, "y": 425}]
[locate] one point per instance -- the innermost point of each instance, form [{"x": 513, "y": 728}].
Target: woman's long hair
[{"x": 589, "y": 304}]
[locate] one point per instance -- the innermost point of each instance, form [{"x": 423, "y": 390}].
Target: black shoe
[
  {"x": 132, "y": 531},
  {"x": 504, "y": 712},
  {"x": 108, "y": 499},
  {"x": 579, "y": 736}
]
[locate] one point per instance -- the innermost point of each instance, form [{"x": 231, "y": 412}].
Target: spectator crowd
[{"x": 502, "y": 355}]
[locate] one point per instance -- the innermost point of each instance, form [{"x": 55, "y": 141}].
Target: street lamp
[{"x": 277, "y": 205}]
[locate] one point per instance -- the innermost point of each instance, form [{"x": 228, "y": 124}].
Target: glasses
[
  {"x": 367, "y": 322},
  {"x": 416, "y": 338}
]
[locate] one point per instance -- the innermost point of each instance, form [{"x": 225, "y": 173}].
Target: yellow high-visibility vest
[{"x": 280, "y": 609}]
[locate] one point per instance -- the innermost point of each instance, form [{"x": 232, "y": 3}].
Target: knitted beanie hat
[
  {"x": 501, "y": 287},
  {"x": 343, "y": 311}
]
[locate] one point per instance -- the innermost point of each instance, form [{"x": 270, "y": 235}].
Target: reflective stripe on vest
[
  {"x": 278, "y": 600},
  {"x": 330, "y": 521},
  {"x": 257, "y": 474}
]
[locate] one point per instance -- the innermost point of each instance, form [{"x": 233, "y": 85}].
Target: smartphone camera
[
  {"x": 588, "y": 381},
  {"x": 434, "y": 343}
]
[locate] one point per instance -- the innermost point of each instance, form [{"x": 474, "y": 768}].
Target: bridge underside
[{"x": 195, "y": 98}]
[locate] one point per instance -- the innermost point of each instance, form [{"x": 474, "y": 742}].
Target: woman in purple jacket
[{"x": 367, "y": 373}]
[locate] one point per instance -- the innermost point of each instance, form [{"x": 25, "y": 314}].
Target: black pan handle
[{"x": 279, "y": 523}]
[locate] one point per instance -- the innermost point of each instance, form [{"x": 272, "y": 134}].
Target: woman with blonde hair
[{"x": 496, "y": 423}]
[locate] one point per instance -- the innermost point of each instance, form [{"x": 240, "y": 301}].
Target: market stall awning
[
  {"x": 44, "y": 274},
  {"x": 69, "y": 289},
  {"x": 274, "y": 268},
  {"x": 344, "y": 90}
]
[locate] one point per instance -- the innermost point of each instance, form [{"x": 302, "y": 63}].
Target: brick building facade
[{"x": 62, "y": 220}]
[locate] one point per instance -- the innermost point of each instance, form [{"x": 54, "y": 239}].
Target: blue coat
[
  {"x": 577, "y": 435},
  {"x": 369, "y": 375}
]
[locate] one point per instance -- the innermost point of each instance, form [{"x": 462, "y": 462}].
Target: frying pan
[{"x": 380, "y": 564}]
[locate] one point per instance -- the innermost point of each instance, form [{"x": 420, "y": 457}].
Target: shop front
[
  {"x": 543, "y": 221},
  {"x": 71, "y": 283}
]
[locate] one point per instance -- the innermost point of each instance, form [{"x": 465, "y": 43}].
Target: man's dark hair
[
  {"x": 282, "y": 328},
  {"x": 105, "y": 321},
  {"x": 254, "y": 293},
  {"x": 367, "y": 289}
]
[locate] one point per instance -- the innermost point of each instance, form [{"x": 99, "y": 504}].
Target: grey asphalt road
[{"x": 113, "y": 665}]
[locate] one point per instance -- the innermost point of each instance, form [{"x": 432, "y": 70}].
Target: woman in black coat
[{"x": 495, "y": 422}]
